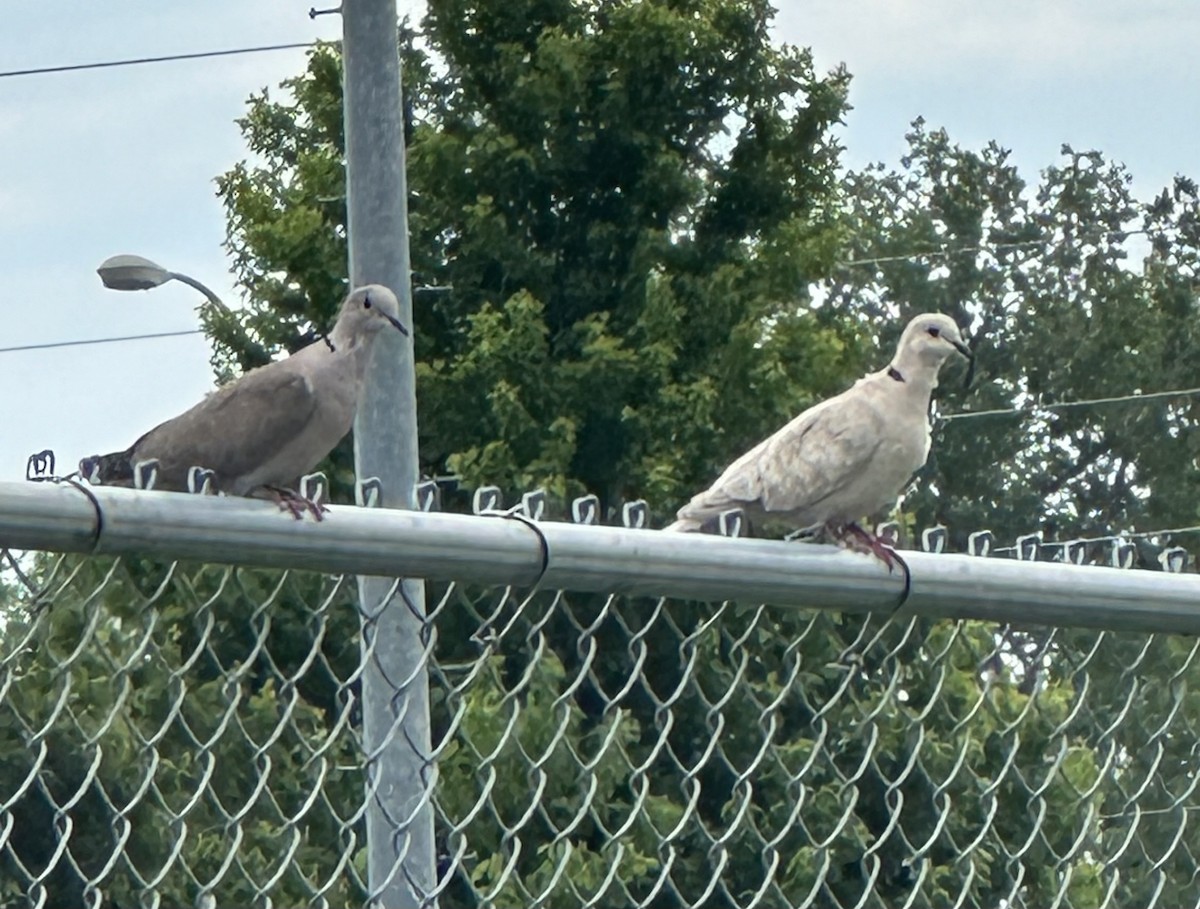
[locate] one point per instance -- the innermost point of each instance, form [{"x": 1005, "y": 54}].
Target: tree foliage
[
  {"x": 626, "y": 202},
  {"x": 619, "y": 209},
  {"x": 1074, "y": 290}
]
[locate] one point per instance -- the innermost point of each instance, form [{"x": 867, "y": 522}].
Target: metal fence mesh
[{"x": 182, "y": 734}]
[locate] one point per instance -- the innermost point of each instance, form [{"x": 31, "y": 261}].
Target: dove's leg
[
  {"x": 867, "y": 542},
  {"x": 290, "y": 500},
  {"x": 856, "y": 539},
  {"x": 882, "y": 551}
]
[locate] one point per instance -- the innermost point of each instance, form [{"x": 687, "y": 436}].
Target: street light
[{"x": 138, "y": 273}]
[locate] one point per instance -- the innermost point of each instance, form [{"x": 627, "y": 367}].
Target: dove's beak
[
  {"x": 397, "y": 323},
  {"x": 966, "y": 352}
]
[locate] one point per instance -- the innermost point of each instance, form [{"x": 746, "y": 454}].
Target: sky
[{"x": 123, "y": 160}]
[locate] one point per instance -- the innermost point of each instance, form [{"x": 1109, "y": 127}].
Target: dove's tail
[
  {"x": 684, "y": 525},
  {"x": 114, "y": 469}
]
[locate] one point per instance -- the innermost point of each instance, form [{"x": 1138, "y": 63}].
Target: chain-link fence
[{"x": 175, "y": 733}]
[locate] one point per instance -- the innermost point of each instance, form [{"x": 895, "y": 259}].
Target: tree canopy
[
  {"x": 1074, "y": 290},
  {"x": 635, "y": 256},
  {"x": 624, "y": 204}
]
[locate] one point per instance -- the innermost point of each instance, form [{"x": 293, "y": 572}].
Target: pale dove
[
  {"x": 274, "y": 423},
  {"x": 844, "y": 458}
]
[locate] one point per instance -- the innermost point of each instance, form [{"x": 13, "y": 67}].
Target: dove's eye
[
  {"x": 934, "y": 332},
  {"x": 366, "y": 302}
]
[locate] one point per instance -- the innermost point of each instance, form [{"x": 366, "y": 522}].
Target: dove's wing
[
  {"x": 828, "y": 458},
  {"x": 801, "y": 470},
  {"x": 237, "y": 430}
]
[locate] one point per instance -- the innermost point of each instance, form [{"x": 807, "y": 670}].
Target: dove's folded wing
[
  {"x": 236, "y": 429},
  {"x": 811, "y": 459},
  {"x": 801, "y": 470}
]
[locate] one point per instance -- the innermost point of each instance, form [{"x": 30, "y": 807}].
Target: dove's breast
[{"x": 902, "y": 450}]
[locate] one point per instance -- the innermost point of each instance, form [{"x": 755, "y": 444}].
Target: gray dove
[
  {"x": 845, "y": 458},
  {"x": 271, "y": 425}
]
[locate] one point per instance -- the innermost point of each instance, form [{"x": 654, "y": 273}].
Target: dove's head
[
  {"x": 365, "y": 311},
  {"x": 927, "y": 342}
]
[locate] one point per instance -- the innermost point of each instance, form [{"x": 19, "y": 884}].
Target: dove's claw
[
  {"x": 298, "y": 505},
  {"x": 864, "y": 541},
  {"x": 878, "y": 548},
  {"x": 860, "y": 540}
]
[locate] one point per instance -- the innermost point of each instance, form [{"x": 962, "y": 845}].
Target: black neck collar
[{"x": 894, "y": 373}]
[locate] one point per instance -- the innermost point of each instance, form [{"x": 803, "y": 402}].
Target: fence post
[{"x": 395, "y": 688}]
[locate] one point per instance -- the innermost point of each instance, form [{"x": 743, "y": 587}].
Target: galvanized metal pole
[{"x": 401, "y": 855}]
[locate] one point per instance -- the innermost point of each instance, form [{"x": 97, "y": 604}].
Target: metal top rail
[{"x": 493, "y": 549}]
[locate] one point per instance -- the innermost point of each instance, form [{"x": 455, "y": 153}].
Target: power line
[
  {"x": 161, "y": 334},
  {"x": 937, "y": 252},
  {"x": 943, "y": 251},
  {"x": 961, "y": 415},
  {"x": 1064, "y": 405},
  {"x": 137, "y": 61}
]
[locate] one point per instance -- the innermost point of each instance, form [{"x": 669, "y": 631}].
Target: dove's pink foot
[
  {"x": 860, "y": 540},
  {"x": 290, "y": 500}
]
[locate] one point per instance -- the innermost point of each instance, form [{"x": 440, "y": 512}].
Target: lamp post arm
[{"x": 192, "y": 282}]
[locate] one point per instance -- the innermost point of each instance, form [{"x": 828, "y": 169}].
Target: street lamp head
[{"x": 132, "y": 273}]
